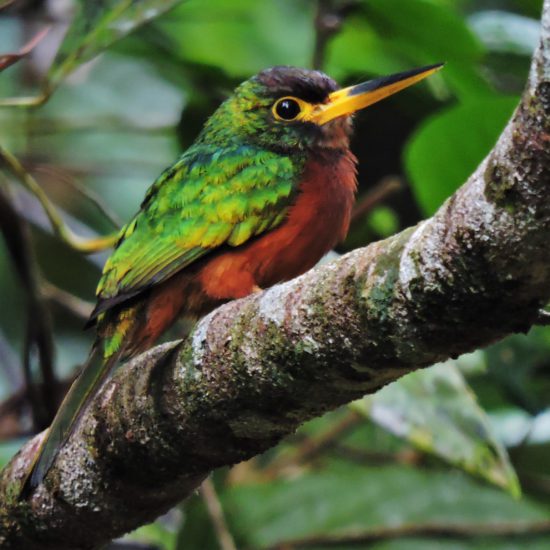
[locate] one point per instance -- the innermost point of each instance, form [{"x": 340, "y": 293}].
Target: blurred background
[{"x": 438, "y": 459}]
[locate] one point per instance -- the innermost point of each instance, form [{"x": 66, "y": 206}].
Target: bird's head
[{"x": 290, "y": 109}]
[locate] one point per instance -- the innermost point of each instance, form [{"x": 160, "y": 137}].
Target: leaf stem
[{"x": 87, "y": 246}]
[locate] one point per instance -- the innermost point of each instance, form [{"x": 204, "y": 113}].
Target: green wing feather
[{"x": 209, "y": 198}]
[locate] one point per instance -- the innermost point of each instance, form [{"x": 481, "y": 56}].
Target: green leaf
[
  {"x": 352, "y": 498},
  {"x": 392, "y": 35},
  {"x": 435, "y": 410},
  {"x": 505, "y": 32},
  {"x": 99, "y": 24},
  {"x": 437, "y": 30},
  {"x": 384, "y": 221},
  {"x": 8, "y": 449},
  {"x": 519, "y": 366},
  {"x": 8, "y": 59},
  {"x": 241, "y": 37},
  {"x": 448, "y": 147},
  {"x": 152, "y": 534},
  {"x": 123, "y": 110},
  {"x": 358, "y": 49},
  {"x": 197, "y": 532},
  {"x": 530, "y": 8}
]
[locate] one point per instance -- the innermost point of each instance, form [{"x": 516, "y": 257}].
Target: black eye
[{"x": 287, "y": 109}]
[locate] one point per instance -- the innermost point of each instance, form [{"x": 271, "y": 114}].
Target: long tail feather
[{"x": 91, "y": 377}]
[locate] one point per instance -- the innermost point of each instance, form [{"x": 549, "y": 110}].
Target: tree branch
[{"x": 255, "y": 369}]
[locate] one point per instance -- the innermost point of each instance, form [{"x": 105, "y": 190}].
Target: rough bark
[{"x": 257, "y": 368}]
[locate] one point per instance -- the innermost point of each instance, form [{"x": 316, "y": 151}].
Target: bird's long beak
[{"x": 349, "y": 100}]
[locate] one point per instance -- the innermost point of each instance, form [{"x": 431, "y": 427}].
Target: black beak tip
[
  {"x": 435, "y": 66},
  {"x": 383, "y": 81}
]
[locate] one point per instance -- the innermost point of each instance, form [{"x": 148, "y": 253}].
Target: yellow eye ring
[{"x": 289, "y": 109}]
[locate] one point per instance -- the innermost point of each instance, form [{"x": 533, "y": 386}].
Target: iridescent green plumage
[
  {"x": 209, "y": 198},
  {"x": 234, "y": 183}
]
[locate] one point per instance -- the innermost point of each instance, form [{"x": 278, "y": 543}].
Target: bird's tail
[{"x": 95, "y": 371}]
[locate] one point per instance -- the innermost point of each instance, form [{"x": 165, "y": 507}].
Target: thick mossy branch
[{"x": 257, "y": 368}]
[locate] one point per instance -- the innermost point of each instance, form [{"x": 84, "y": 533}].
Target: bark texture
[{"x": 257, "y": 368}]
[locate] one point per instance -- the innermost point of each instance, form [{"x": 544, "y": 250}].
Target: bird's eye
[{"x": 287, "y": 108}]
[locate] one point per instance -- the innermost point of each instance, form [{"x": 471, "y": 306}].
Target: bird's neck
[
  {"x": 327, "y": 191},
  {"x": 318, "y": 220}
]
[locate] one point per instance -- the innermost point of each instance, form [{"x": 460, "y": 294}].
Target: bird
[{"x": 263, "y": 193}]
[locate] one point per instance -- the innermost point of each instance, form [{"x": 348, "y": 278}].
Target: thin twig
[
  {"x": 407, "y": 456},
  {"x": 447, "y": 530},
  {"x": 13, "y": 416},
  {"x": 215, "y": 511},
  {"x": 29, "y": 208},
  {"x": 14, "y": 409},
  {"x": 39, "y": 335},
  {"x": 327, "y": 23},
  {"x": 313, "y": 446},
  {"x": 8, "y": 59},
  {"x": 378, "y": 194},
  {"x": 9, "y": 363},
  {"x": 27, "y": 101},
  {"x": 329, "y": 17},
  {"x": 58, "y": 225},
  {"x": 12, "y": 425},
  {"x": 82, "y": 190},
  {"x": 73, "y": 304}
]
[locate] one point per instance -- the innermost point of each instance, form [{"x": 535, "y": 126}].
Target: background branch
[
  {"x": 329, "y": 17},
  {"x": 39, "y": 336}
]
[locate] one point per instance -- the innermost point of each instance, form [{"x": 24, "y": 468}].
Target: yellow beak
[{"x": 349, "y": 100}]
